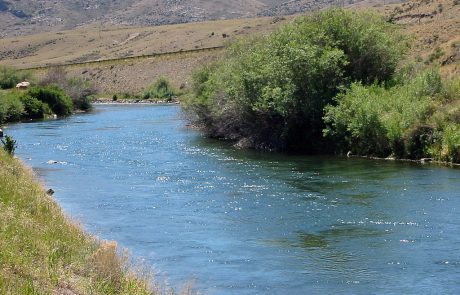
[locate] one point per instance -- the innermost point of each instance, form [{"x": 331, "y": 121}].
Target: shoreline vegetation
[
  {"x": 42, "y": 251},
  {"x": 55, "y": 95},
  {"x": 336, "y": 81}
]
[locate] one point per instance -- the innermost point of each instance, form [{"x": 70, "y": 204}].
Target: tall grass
[{"x": 43, "y": 252}]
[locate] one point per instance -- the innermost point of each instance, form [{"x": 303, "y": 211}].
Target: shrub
[
  {"x": 408, "y": 120},
  {"x": 435, "y": 55},
  {"x": 9, "y": 145},
  {"x": 34, "y": 108},
  {"x": 9, "y": 77},
  {"x": 11, "y": 108},
  {"x": 161, "y": 89},
  {"x": 79, "y": 90},
  {"x": 418, "y": 141},
  {"x": 59, "y": 102},
  {"x": 272, "y": 90},
  {"x": 55, "y": 76},
  {"x": 450, "y": 149}
]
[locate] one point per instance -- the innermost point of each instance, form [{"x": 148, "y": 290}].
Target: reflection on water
[
  {"x": 311, "y": 241},
  {"x": 247, "y": 222}
]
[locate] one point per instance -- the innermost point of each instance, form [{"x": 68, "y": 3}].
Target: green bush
[
  {"x": 272, "y": 90},
  {"x": 9, "y": 145},
  {"x": 59, "y": 102},
  {"x": 450, "y": 149},
  {"x": 9, "y": 77},
  {"x": 34, "y": 108},
  {"x": 11, "y": 108},
  {"x": 161, "y": 89},
  {"x": 403, "y": 121}
]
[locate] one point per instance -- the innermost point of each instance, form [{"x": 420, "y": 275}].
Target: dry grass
[
  {"x": 96, "y": 43},
  {"x": 417, "y": 17},
  {"x": 131, "y": 75},
  {"x": 435, "y": 25},
  {"x": 43, "y": 252}
]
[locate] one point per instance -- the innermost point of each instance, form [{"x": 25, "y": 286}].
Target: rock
[
  {"x": 426, "y": 160},
  {"x": 50, "y": 192},
  {"x": 244, "y": 143},
  {"x": 1, "y": 133}
]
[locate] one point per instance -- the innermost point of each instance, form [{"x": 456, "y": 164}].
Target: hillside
[
  {"x": 435, "y": 26},
  {"x": 20, "y": 17}
]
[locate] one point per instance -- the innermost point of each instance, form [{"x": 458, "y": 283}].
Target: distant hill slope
[{"x": 23, "y": 17}]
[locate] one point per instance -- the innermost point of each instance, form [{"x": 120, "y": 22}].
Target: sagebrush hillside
[
  {"x": 20, "y": 17},
  {"x": 433, "y": 24}
]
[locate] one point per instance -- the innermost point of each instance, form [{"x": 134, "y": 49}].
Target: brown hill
[
  {"x": 20, "y": 17},
  {"x": 435, "y": 25}
]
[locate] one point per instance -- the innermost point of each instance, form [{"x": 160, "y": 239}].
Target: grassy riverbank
[{"x": 44, "y": 252}]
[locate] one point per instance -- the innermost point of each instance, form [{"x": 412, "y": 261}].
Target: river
[{"x": 246, "y": 222}]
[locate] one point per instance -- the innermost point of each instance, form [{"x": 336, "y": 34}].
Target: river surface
[{"x": 236, "y": 222}]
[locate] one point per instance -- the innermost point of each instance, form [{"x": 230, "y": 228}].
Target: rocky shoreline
[{"x": 106, "y": 100}]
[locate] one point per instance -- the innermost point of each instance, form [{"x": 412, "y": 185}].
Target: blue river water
[{"x": 246, "y": 222}]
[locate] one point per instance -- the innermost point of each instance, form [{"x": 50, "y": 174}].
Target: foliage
[
  {"x": 34, "y": 108},
  {"x": 9, "y": 145},
  {"x": 450, "y": 148},
  {"x": 435, "y": 55},
  {"x": 161, "y": 89},
  {"x": 79, "y": 90},
  {"x": 272, "y": 90},
  {"x": 59, "y": 102},
  {"x": 401, "y": 121},
  {"x": 9, "y": 77},
  {"x": 11, "y": 108}
]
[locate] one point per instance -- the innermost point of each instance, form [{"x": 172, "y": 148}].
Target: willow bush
[
  {"x": 270, "y": 91},
  {"x": 160, "y": 90},
  {"x": 415, "y": 119}
]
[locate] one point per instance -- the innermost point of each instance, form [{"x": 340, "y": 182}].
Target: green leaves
[
  {"x": 397, "y": 121},
  {"x": 274, "y": 88},
  {"x": 59, "y": 102},
  {"x": 9, "y": 145},
  {"x": 161, "y": 89}
]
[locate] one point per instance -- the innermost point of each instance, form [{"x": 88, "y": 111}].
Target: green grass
[{"x": 42, "y": 251}]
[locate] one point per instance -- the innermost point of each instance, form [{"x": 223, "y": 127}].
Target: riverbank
[
  {"x": 108, "y": 100},
  {"x": 42, "y": 251}
]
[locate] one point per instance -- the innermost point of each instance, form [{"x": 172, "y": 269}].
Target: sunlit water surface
[{"x": 236, "y": 222}]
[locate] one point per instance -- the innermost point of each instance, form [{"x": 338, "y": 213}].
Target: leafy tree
[{"x": 271, "y": 91}]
